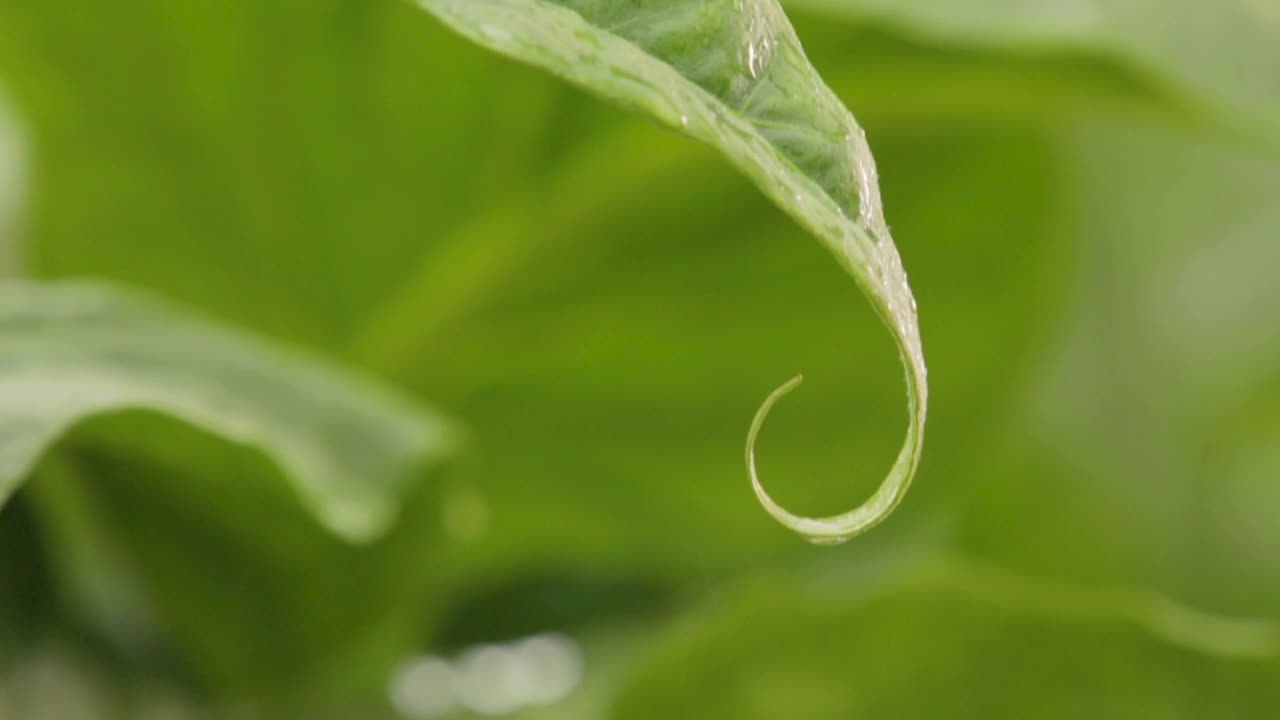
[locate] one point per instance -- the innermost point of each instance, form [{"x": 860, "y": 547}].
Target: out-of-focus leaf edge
[{"x": 76, "y": 350}]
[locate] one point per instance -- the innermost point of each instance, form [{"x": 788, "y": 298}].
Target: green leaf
[
  {"x": 162, "y": 538},
  {"x": 288, "y": 164},
  {"x": 12, "y": 171},
  {"x": 976, "y": 641},
  {"x": 77, "y": 350},
  {"x": 1173, "y": 330},
  {"x": 733, "y": 74},
  {"x": 639, "y": 354},
  {"x": 635, "y": 294},
  {"x": 1224, "y": 55}
]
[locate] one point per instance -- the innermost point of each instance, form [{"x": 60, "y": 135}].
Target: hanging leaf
[{"x": 733, "y": 74}]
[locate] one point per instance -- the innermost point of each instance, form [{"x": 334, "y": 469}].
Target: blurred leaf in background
[
  {"x": 957, "y": 639},
  {"x": 12, "y": 186},
  {"x": 349, "y": 453},
  {"x": 1222, "y": 58},
  {"x": 1083, "y": 193}
]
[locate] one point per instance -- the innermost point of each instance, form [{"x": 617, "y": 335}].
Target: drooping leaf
[
  {"x": 639, "y": 351},
  {"x": 733, "y": 74},
  {"x": 76, "y": 350},
  {"x": 980, "y": 642},
  {"x": 637, "y": 301}
]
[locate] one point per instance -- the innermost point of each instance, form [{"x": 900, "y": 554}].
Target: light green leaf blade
[
  {"x": 733, "y": 74},
  {"x": 77, "y": 350},
  {"x": 1224, "y": 55},
  {"x": 948, "y": 633}
]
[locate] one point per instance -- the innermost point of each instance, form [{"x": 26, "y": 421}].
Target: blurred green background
[{"x": 1086, "y": 197}]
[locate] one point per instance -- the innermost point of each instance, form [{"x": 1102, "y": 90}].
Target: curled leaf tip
[
  {"x": 835, "y": 529},
  {"x": 734, "y": 75}
]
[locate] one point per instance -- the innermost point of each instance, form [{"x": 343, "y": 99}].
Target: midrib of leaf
[{"x": 733, "y": 74}]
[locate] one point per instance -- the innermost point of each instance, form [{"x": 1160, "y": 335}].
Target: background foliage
[{"x": 1083, "y": 193}]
